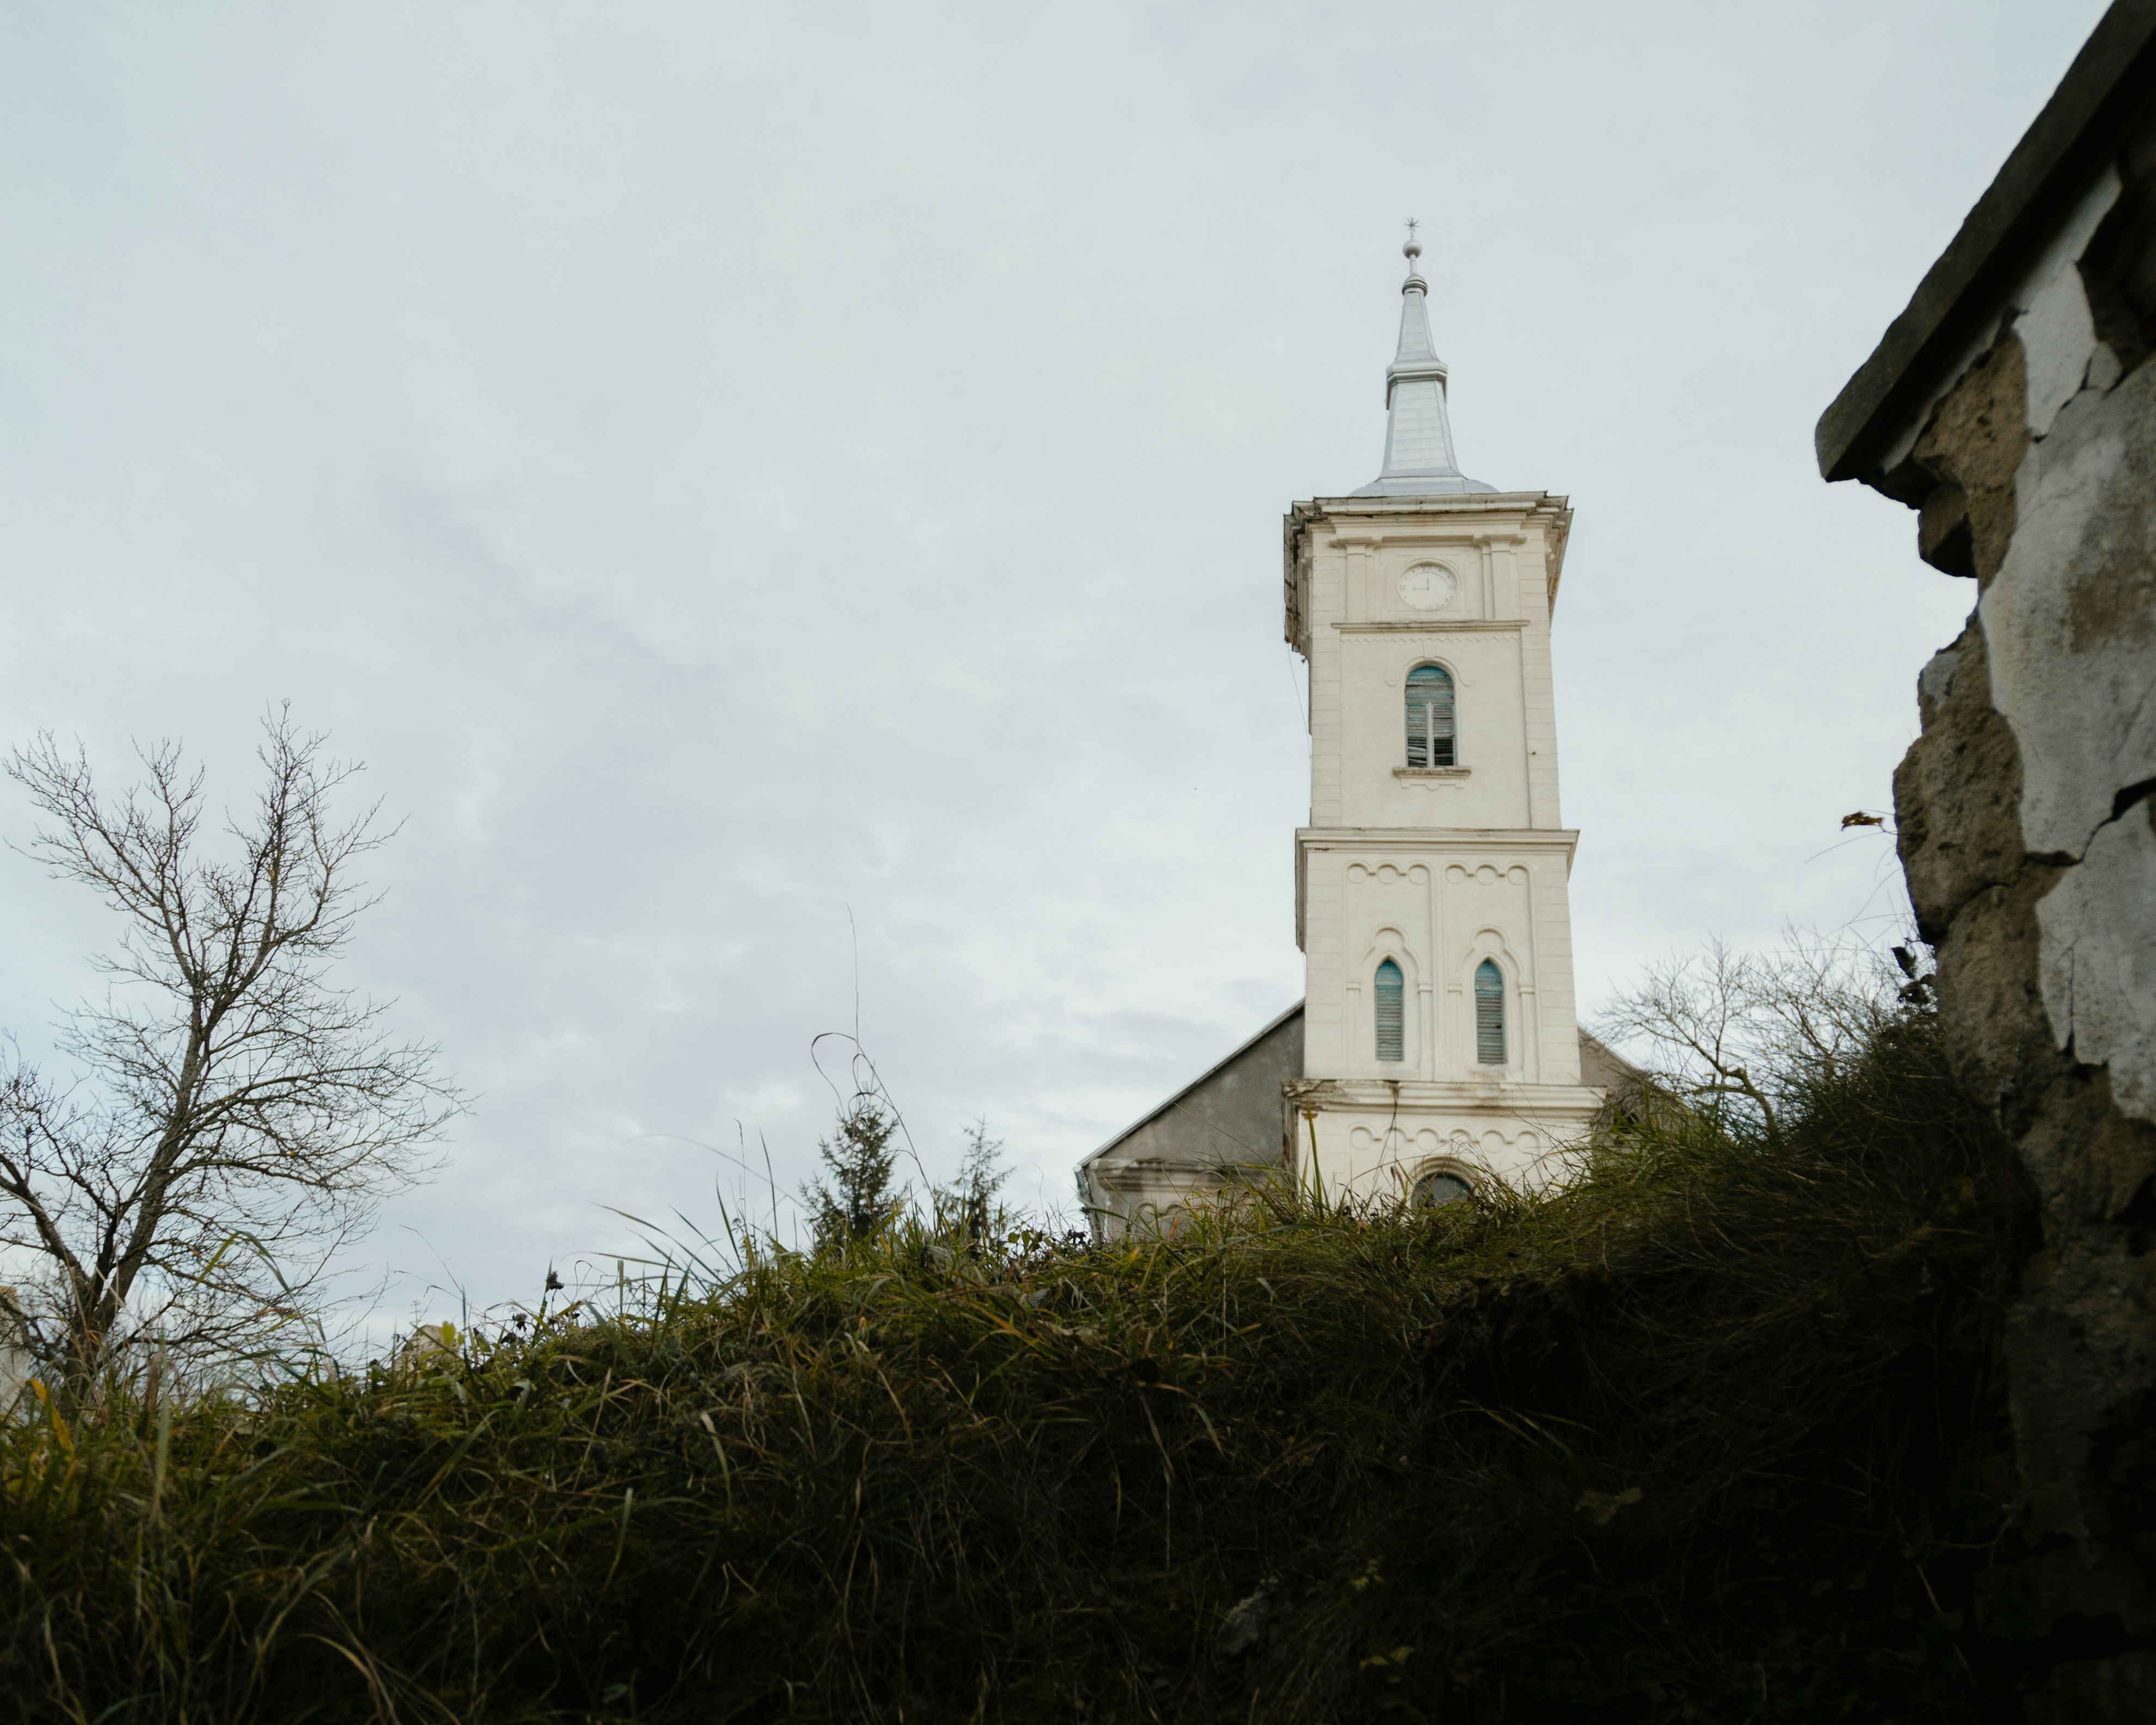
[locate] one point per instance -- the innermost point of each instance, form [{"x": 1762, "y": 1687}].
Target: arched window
[
  {"x": 1429, "y": 716},
  {"x": 1489, "y": 1013},
  {"x": 1392, "y": 1013},
  {"x": 1437, "y": 1187}
]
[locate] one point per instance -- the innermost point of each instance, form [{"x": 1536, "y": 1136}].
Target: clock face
[{"x": 1428, "y": 587}]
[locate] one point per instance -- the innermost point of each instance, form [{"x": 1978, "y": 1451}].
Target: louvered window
[
  {"x": 1392, "y": 1013},
  {"x": 1429, "y": 716},
  {"x": 1488, "y": 1014}
]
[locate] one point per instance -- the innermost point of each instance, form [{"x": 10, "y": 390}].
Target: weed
[{"x": 1714, "y": 1432}]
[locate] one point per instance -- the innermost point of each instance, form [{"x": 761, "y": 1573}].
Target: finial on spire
[{"x": 1413, "y": 250}]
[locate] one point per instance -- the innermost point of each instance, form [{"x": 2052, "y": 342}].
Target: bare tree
[
  {"x": 1737, "y": 1033},
  {"x": 232, "y": 1115}
]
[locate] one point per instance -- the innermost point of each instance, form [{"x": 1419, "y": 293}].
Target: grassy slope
[{"x": 1716, "y": 1433}]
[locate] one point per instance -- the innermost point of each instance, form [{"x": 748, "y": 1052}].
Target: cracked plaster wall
[{"x": 2027, "y": 837}]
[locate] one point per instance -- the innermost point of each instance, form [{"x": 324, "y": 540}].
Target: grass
[{"x": 1717, "y": 1432}]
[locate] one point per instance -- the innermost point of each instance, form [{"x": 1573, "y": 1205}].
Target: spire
[{"x": 1418, "y": 457}]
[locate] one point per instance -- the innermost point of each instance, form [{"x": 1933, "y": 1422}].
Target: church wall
[
  {"x": 1493, "y": 636},
  {"x": 1489, "y": 786},
  {"x": 1386, "y": 915},
  {"x": 1374, "y": 1140},
  {"x": 1438, "y": 902},
  {"x": 1490, "y": 918},
  {"x": 1436, "y": 870},
  {"x": 1385, "y": 1156},
  {"x": 1557, "y": 1008},
  {"x": 1532, "y": 578},
  {"x": 1328, "y": 584}
]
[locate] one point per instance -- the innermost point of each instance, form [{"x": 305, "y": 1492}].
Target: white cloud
[{"x": 732, "y": 469}]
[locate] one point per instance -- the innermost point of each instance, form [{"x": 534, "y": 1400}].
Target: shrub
[{"x": 1715, "y": 1432}]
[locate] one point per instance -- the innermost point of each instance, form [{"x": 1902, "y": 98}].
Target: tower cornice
[
  {"x": 1448, "y": 841},
  {"x": 1340, "y": 518}
]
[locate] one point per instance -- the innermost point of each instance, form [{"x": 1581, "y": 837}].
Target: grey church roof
[
  {"x": 1419, "y": 456},
  {"x": 1195, "y": 1084}
]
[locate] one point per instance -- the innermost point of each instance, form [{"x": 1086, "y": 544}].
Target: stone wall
[{"x": 2027, "y": 818}]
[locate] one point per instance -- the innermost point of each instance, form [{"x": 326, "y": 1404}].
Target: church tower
[
  {"x": 1440, "y": 1042},
  {"x": 1436, "y": 1045}
]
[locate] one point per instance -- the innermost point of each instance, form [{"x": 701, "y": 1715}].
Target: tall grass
[{"x": 1716, "y": 1432}]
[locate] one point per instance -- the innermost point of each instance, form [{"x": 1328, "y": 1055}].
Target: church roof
[
  {"x": 1599, "y": 1065},
  {"x": 1195, "y": 1084},
  {"x": 1420, "y": 461}
]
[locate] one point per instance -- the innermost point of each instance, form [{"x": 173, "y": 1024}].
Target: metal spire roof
[{"x": 1418, "y": 457}]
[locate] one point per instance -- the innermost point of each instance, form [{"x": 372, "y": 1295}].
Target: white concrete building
[{"x": 1437, "y": 1044}]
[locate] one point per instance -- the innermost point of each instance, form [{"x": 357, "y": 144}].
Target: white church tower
[
  {"x": 1437, "y": 1044},
  {"x": 1440, "y": 1042}
]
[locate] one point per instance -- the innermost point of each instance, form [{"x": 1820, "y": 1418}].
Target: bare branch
[
  {"x": 244, "y": 1113},
  {"x": 1717, "y": 1019}
]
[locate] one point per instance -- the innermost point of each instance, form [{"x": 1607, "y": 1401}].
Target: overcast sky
[{"x": 744, "y": 477}]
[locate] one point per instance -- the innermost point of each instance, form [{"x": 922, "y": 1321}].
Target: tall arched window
[
  {"x": 1489, "y": 1013},
  {"x": 1429, "y": 716},
  {"x": 1392, "y": 1013}
]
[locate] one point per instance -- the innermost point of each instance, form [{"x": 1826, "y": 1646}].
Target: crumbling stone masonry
[{"x": 2013, "y": 407}]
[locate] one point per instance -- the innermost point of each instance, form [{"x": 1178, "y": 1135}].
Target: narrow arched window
[
  {"x": 1429, "y": 716},
  {"x": 1489, "y": 1013},
  {"x": 1392, "y": 1013}
]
